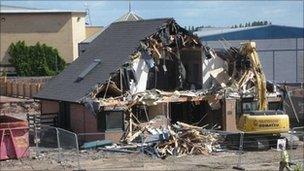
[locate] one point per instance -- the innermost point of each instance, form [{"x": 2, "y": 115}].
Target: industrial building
[{"x": 278, "y": 46}]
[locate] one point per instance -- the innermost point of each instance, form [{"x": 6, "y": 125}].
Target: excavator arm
[{"x": 249, "y": 50}]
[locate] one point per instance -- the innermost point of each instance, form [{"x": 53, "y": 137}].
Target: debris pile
[{"x": 160, "y": 139}]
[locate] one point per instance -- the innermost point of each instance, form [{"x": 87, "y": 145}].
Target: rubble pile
[{"x": 160, "y": 139}]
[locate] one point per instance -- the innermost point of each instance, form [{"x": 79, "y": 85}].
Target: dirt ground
[{"x": 100, "y": 160}]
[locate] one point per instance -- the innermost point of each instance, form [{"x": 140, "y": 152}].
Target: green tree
[{"x": 37, "y": 60}]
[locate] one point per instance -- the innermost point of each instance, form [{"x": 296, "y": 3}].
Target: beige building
[{"x": 60, "y": 29}]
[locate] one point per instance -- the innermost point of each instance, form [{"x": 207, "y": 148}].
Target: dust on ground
[{"x": 101, "y": 160}]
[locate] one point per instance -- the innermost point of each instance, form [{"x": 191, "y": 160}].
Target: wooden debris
[{"x": 183, "y": 139}]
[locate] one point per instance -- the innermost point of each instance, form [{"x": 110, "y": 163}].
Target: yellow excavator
[
  {"x": 262, "y": 125},
  {"x": 262, "y": 120}
]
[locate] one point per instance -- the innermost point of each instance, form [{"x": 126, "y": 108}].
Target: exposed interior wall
[
  {"x": 159, "y": 109},
  {"x": 207, "y": 66},
  {"x": 197, "y": 113},
  {"x": 192, "y": 62},
  {"x": 161, "y": 79},
  {"x": 141, "y": 74},
  {"x": 165, "y": 76}
]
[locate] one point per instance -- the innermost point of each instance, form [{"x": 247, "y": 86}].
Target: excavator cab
[
  {"x": 261, "y": 128},
  {"x": 251, "y": 120}
]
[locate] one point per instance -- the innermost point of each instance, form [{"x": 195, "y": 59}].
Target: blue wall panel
[{"x": 267, "y": 32}]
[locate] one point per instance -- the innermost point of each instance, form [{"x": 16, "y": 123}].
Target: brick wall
[
  {"x": 48, "y": 106},
  {"x": 229, "y": 115},
  {"x": 82, "y": 121}
]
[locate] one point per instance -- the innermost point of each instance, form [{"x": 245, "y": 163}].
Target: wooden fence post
[
  {"x": 3, "y": 86},
  {"x": 14, "y": 89},
  {"x": 8, "y": 88},
  {"x": 20, "y": 89},
  {"x": 23, "y": 90},
  {"x": 30, "y": 94}
]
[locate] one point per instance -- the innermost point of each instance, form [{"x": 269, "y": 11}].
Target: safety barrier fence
[
  {"x": 56, "y": 145},
  {"x": 268, "y": 150},
  {"x": 296, "y": 147},
  {"x": 245, "y": 151}
]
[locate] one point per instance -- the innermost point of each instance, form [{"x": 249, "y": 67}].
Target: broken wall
[
  {"x": 159, "y": 109},
  {"x": 141, "y": 75},
  {"x": 192, "y": 60},
  {"x": 207, "y": 66}
]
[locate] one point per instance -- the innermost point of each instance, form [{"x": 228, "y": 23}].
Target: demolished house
[{"x": 153, "y": 77}]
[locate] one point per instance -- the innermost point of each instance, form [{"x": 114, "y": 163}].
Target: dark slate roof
[{"x": 112, "y": 47}]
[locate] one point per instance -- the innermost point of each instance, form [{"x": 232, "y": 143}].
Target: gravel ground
[{"x": 99, "y": 160}]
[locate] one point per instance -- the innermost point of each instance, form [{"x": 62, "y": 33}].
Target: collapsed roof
[{"x": 108, "y": 52}]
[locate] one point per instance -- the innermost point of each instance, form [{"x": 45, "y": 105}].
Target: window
[
  {"x": 275, "y": 106},
  {"x": 87, "y": 70},
  {"x": 250, "y": 106},
  {"x": 110, "y": 120},
  {"x": 114, "y": 120}
]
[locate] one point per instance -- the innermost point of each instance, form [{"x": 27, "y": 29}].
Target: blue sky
[{"x": 196, "y": 13}]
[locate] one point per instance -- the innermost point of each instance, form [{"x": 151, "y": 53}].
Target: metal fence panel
[
  {"x": 296, "y": 150},
  {"x": 57, "y": 145}
]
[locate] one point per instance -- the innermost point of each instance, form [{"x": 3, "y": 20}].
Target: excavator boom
[
  {"x": 261, "y": 120},
  {"x": 249, "y": 49}
]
